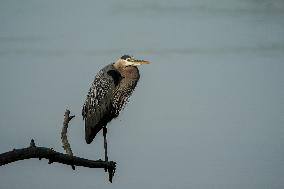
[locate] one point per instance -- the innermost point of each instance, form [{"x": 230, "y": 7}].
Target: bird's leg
[{"x": 105, "y": 143}]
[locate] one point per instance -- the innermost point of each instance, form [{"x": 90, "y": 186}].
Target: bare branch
[
  {"x": 66, "y": 145},
  {"x": 47, "y": 153}
]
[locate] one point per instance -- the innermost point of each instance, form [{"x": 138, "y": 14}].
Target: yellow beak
[{"x": 139, "y": 62}]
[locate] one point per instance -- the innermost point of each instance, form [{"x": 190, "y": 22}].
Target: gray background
[{"x": 207, "y": 113}]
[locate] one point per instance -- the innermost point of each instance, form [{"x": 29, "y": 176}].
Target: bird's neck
[{"x": 128, "y": 72}]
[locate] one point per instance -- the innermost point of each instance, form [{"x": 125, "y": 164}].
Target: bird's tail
[{"x": 91, "y": 131}]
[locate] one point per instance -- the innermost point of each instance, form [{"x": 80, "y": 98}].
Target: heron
[{"x": 108, "y": 95}]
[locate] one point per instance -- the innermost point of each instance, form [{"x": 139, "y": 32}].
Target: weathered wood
[
  {"x": 48, "y": 153},
  {"x": 64, "y": 139},
  {"x": 66, "y": 145},
  {"x": 53, "y": 156}
]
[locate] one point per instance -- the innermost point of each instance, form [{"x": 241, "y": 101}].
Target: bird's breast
[{"x": 131, "y": 72}]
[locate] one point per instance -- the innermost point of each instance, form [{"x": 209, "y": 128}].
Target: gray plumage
[{"x": 108, "y": 94}]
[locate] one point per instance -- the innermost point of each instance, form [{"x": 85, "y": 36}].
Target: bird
[{"x": 108, "y": 95}]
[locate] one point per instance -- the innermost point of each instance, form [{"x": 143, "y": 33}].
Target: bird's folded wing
[{"x": 98, "y": 103}]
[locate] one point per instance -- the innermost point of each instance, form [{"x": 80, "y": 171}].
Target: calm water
[{"x": 207, "y": 113}]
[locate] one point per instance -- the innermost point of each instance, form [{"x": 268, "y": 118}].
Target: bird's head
[{"x": 127, "y": 60}]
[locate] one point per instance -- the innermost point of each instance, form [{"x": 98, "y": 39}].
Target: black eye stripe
[{"x": 124, "y": 57}]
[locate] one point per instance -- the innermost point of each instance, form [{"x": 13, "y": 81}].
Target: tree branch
[
  {"x": 48, "y": 153},
  {"x": 66, "y": 145}
]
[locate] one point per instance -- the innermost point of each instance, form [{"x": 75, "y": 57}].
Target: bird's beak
[{"x": 137, "y": 62}]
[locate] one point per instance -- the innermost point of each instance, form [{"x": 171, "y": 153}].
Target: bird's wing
[{"x": 97, "y": 108}]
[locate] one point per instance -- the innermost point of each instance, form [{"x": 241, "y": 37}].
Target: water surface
[{"x": 207, "y": 113}]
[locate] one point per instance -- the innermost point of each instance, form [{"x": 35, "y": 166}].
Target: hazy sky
[{"x": 207, "y": 113}]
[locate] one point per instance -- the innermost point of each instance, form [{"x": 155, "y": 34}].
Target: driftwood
[{"x": 34, "y": 151}]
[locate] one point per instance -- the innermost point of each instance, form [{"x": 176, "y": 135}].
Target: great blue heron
[{"x": 108, "y": 94}]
